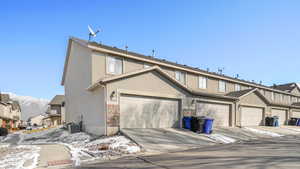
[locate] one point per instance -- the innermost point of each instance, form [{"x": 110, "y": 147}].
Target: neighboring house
[
  {"x": 289, "y": 87},
  {"x": 52, "y": 120},
  {"x": 36, "y": 120},
  {"x": 10, "y": 112},
  {"x": 57, "y": 104},
  {"x": 109, "y": 89},
  {"x": 55, "y": 114}
]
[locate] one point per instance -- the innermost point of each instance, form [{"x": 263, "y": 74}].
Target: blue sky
[{"x": 258, "y": 39}]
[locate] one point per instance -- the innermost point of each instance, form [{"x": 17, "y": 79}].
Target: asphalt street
[{"x": 273, "y": 153}]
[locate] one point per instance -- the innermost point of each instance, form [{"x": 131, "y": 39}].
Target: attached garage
[
  {"x": 148, "y": 112},
  {"x": 296, "y": 114},
  {"x": 282, "y": 114},
  {"x": 219, "y": 112},
  {"x": 251, "y": 116}
]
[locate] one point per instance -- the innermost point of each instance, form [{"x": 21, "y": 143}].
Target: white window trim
[
  {"x": 203, "y": 78},
  {"x": 237, "y": 86},
  {"x": 185, "y": 76},
  {"x": 219, "y": 86},
  {"x": 272, "y": 96},
  {"x": 107, "y": 68}
]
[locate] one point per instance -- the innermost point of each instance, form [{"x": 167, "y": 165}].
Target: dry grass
[{"x": 36, "y": 130}]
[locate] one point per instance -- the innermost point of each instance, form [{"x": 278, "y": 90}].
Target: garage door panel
[
  {"x": 145, "y": 112},
  {"x": 282, "y": 114},
  {"x": 251, "y": 116},
  {"x": 296, "y": 114},
  {"x": 219, "y": 112}
]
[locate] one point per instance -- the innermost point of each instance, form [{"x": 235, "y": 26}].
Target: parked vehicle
[{"x": 29, "y": 128}]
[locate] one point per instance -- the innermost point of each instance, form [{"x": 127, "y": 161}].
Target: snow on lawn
[
  {"x": 54, "y": 135},
  {"x": 16, "y": 157},
  {"x": 1, "y": 138},
  {"x": 4, "y": 145},
  {"x": 83, "y": 147},
  {"x": 221, "y": 138},
  {"x": 117, "y": 143},
  {"x": 263, "y": 132}
]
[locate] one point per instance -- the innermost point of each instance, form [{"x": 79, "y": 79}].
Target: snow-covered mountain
[{"x": 30, "y": 106}]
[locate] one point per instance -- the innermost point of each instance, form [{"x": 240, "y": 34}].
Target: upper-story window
[
  {"x": 294, "y": 99},
  {"x": 222, "y": 86},
  {"x": 237, "y": 87},
  {"x": 202, "y": 82},
  {"x": 281, "y": 97},
  {"x": 180, "y": 76},
  {"x": 114, "y": 65}
]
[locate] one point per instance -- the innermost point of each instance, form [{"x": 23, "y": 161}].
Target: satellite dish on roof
[{"x": 92, "y": 33}]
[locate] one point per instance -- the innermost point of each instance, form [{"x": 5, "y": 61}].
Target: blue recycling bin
[
  {"x": 187, "y": 123},
  {"x": 276, "y": 124},
  {"x": 298, "y": 122},
  {"x": 208, "y": 124},
  {"x": 275, "y": 121}
]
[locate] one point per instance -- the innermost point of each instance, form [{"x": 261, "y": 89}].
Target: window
[
  {"x": 146, "y": 65},
  {"x": 281, "y": 97},
  {"x": 272, "y": 96},
  {"x": 222, "y": 86},
  {"x": 180, "y": 76},
  {"x": 294, "y": 99},
  {"x": 202, "y": 82},
  {"x": 114, "y": 65},
  {"x": 237, "y": 87}
]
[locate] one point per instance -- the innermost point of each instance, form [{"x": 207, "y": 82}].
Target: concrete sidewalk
[{"x": 53, "y": 155}]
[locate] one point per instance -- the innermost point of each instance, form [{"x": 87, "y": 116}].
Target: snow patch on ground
[
  {"x": 83, "y": 147},
  {"x": 118, "y": 143},
  {"x": 221, "y": 138},
  {"x": 4, "y": 145},
  {"x": 263, "y": 132},
  {"x": 54, "y": 135},
  {"x": 16, "y": 157}
]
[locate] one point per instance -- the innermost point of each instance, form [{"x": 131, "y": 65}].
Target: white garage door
[
  {"x": 219, "y": 112},
  {"x": 296, "y": 114},
  {"x": 251, "y": 116},
  {"x": 148, "y": 112},
  {"x": 281, "y": 114}
]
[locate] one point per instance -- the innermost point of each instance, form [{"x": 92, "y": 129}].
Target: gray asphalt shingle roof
[
  {"x": 57, "y": 100},
  {"x": 285, "y": 87},
  {"x": 238, "y": 93}
]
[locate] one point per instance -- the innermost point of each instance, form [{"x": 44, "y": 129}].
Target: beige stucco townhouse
[
  {"x": 109, "y": 89},
  {"x": 10, "y": 112}
]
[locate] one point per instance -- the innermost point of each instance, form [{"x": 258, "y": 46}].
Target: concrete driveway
[
  {"x": 166, "y": 140},
  {"x": 275, "y": 153}
]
